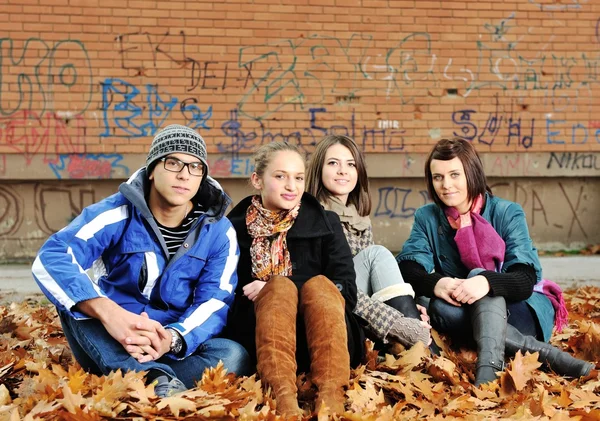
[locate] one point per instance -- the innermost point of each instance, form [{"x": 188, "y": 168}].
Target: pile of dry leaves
[{"x": 40, "y": 380}]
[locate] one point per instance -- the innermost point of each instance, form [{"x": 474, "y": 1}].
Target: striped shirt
[{"x": 175, "y": 236}]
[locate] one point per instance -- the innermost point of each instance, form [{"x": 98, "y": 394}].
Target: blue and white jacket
[{"x": 191, "y": 293}]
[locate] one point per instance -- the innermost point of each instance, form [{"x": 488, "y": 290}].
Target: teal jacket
[{"x": 431, "y": 244}]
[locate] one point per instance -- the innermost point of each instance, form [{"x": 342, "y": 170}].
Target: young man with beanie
[{"x": 165, "y": 262}]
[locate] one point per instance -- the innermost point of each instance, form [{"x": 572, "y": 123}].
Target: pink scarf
[
  {"x": 478, "y": 243},
  {"x": 480, "y": 246},
  {"x": 554, "y": 293}
]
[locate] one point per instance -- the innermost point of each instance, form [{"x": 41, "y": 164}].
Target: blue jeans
[
  {"x": 99, "y": 353},
  {"x": 376, "y": 269},
  {"x": 455, "y": 321}
]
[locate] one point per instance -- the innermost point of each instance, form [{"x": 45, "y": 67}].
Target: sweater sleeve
[
  {"x": 422, "y": 282},
  {"x": 516, "y": 284}
]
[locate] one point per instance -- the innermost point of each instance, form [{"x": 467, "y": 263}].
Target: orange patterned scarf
[{"x": 268, "y": 229}]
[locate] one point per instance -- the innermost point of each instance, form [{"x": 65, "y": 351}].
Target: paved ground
[{"x": 17, "y": 284}]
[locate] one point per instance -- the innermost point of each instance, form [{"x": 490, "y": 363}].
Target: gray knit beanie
[{"x": 177, "y": 139}]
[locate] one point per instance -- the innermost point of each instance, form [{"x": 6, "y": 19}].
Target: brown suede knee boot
[
  {"x": 276, "y": 308},
  {"x": 323, "y": 309}
]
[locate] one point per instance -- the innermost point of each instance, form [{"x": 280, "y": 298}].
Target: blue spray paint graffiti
[
  {"x": 557, "y": 132},
  {"x": 493, "y": 125},
  {"x": 392, "y": 202},
  {"x": 392, "y": 139},
  {"x": 123, "y": 117}
]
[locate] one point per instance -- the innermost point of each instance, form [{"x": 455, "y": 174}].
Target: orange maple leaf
[
  {"x": 365, "y": 400},
  {"x": 586, "y": 341},
  {"x": 520, "y": 370},
  {"x": 77, "y": 378},
  {"x": 215, "y": 379},
  {"x": 41, "y": 408},
  {"x": 563, "y": 401},
  {"x": 443, "y": 370},
  {"x": 114, "y": 386},
  {"x": 413, "y": 357},
  {"x": 79, "y": 415},
  {"x": 583, "y": 398},
  {"x": 71, "y": 401},
  {"x": 177, "y": 404}
]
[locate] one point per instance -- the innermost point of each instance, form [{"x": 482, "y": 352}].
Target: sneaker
[{"x": 164, "y": 388}]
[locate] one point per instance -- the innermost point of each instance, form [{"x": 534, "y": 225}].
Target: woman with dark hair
[
  {"x": 337, "y": 177},
  {"x": 471, "y": 253}
]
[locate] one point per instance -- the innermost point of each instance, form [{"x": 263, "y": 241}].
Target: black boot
[
  {"x": 558, "y": 361},
  {"x": 488, "y": 318},
  {"x": 406, "y": 305}
]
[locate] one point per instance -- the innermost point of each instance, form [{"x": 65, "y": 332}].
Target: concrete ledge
[{"x": 381, "y": 165}]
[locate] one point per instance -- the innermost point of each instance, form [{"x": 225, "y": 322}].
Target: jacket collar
[{"x": 210, "y": 196}]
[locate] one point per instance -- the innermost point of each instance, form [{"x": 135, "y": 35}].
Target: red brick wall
[{"x": 91, "y": 76}]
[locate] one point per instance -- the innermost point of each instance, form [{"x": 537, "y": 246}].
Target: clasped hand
[
  {"x": 458, "y": 291},
  {"x": 143, "y": 338}
]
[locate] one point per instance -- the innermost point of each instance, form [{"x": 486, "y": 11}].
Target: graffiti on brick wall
[
  {"x": 34, "y": 82},
  {"x": 515, "y": 165},
  {"x": 337, "y": 68},
  {"x": 40, "y": 75},
  {"x": 284, "y": 78},
  {"x": 541, "y": 208},
  {"x": 506, "y": 128},
  {"x": 90, "y": 166},
  {"x": 171, "y": 47},
  {"x": 570, "y": 5},
  {"x": 236, "y": 165},
  {"x": 515, "y": 69},
  {"x": 127, "y": 112},
  {"x": 48, "y": 134},
  {"x": 562, "y": 132},
  {"x": 240, "y": 139},
  {"x": 573, "y": 161},
  {"x": 313, "y": 70},
  {"x": 56, "y": 206},
  {"x": 51, "y": 86},
  {"x": 53, "y": 208},
  {"x": 11, "y": 210},
  {"x": 393, "y": 202}
]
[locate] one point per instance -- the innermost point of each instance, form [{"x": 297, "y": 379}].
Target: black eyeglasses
[{"x": 175, "y": 165}]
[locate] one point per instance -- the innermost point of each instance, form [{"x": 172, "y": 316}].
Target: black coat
[{"x": 317, "y": 246}]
